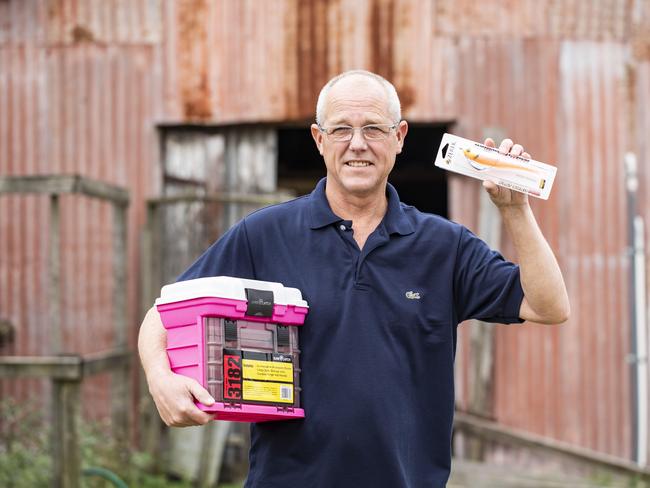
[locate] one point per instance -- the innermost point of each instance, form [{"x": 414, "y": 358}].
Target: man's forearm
[
  {"x": 152, "y": 342},
  {"x": 546, "y": 299}
]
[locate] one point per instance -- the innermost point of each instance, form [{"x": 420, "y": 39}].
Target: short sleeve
[
  {"x": 230, "y": 255},
  {"x": 486, "y": 286}
]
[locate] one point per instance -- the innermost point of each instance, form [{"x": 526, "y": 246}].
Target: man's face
[{"x": 358, "y": 167}]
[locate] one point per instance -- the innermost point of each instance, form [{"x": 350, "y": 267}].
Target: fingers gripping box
[{"x": 239, "y": 339}]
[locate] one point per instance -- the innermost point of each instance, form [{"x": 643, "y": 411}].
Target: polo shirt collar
[{"x": 395, "y": 220}]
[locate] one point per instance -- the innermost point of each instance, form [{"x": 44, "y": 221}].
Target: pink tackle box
[{"x": 239, "y": 339}]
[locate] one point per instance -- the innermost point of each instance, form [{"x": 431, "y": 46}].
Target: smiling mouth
[{"x": 358, "y": 164}]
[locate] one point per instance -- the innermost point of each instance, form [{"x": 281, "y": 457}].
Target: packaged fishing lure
[{"x": 487, "y": 163}]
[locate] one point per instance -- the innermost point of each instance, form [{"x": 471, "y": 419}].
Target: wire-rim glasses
[{"x": 370, "y": 132}]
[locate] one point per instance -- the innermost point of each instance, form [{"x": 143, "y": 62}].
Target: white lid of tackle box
[{"x": 227, "y": 287}]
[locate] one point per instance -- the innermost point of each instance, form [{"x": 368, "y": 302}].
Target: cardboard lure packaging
[{"x": 487, "y": 163}]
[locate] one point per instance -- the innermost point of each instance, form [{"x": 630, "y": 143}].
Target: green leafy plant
[
  {"x": 25, "y": 460},
  {"x": 24, "y": 441}
]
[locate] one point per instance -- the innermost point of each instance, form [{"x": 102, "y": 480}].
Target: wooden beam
[
  {"x": 57, "y": 367},
  {"x": 150, "y": 273},
  {"x": 60, "y": 184},
  {"x": 54, "y": 278},
  {"x": 101, "y": 362},
  {"x": 223, "y": 197},
  {"x": 119, "y": 276},
  {"x": 65, "y": 427},
  {"x": 49, "y": 184},
  {"x": 493, "y": 432},
  {"x": 103, "y": 191},
  {"x": 120, "y": 377},
  {"x": 69, "y": 367}
]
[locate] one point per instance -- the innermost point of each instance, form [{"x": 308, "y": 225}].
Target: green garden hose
[{"x": 107, "y": 475}]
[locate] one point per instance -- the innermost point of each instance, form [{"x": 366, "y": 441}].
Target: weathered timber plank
[
  {"x": 65, "y": 428},
  {"x": 494, "y": 432},
  {"x": 100, "y": 362},
  {"x": 223, "y": 197},
  {"x": 60, "y": 184},
  {"x": 119, "y": 275},
  {"x": 150, "y": 273},
  {"x": 104, "y": 191},
  {"x": 54, "y": 277},
  {"x": 58, "y": 367},
  {"x": 120, "y": 377},
  {"x": 63, "y": 367}
]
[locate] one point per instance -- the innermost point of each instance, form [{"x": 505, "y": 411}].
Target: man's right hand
[
  {"x": 173, "y": 394},
  {"x": 174, "y": 397}
]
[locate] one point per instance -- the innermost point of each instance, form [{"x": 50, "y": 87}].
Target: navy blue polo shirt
[{"x": 379, "y": 341}]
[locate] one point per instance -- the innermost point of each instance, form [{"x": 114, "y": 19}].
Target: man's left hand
[{"x": 500, "y": 196}]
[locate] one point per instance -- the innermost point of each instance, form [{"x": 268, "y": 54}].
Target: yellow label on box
[
  {"x": 264, "y": 391},
  {"x": 267, "y": 370}
]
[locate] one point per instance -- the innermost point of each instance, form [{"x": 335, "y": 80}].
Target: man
[{"x": 387, "y": 286}]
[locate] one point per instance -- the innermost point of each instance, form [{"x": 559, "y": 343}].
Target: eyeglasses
[{"x": 344, "y": 133}]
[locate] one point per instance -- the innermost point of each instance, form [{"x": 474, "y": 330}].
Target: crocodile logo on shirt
[{"x": 413, "y": 295}]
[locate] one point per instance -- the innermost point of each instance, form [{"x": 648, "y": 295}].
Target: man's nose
[{"x": 358, "y": 141}]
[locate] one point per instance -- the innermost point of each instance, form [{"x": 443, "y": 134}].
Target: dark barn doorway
[{"x": 417, "y": 180}]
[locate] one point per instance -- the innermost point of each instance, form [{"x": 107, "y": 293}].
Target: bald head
[{"x": 359, "y": 77}]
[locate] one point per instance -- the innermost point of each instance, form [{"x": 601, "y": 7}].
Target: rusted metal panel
[
  {"x": 607, "y": 20},
  {"x": 318, "y": 39},
  {"x": 73, "y": 106},
  {"x": 594, "y": 252},
  {"x": 565, "y": 103},
  {"x": 71, "y": 22}
]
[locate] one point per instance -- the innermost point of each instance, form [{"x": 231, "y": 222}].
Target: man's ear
[
  {"x": 400, "y": 131},
  {"x": 318, "y": 138}
]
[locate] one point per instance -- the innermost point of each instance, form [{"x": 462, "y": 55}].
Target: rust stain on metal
[
  {"x": 193, "y": 60},
  {"x": 54, "y": 9},
  {"x": 641, "y": 42},
  {"x": 381, "y": 36},
  {"x": 82, "y": 34},
  {"x": 641, "y": 33},
  {"x": 312, "y": 49},
  {"x": 406, "y": 95},
  {"x": 641, "y": 48},
  {"x": 630, "y": 97},
  {"x": 383, "y": 30}
]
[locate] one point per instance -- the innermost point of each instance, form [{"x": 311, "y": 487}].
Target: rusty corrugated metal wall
[
  {"x": 83, "y": 85},
  {"x": 79, "y": 93},
  {"x": 571, "y": 383}
]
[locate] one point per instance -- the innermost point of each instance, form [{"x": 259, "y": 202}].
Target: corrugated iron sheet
[
  {"x": 606, "y": 20},
  {"x": 83, "y": 85},
  {"x": 569, "y": 382},
  {"x": 82, "y": 104},
  {"x": 69, "y": 22}
]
